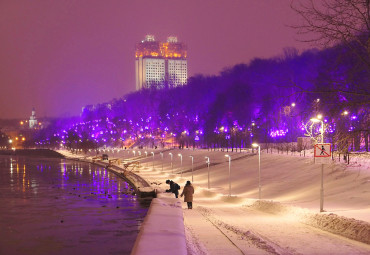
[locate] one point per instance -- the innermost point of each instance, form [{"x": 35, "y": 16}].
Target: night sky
[{"x": 58, "y": 56}]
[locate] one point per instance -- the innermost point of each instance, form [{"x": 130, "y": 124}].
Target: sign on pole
[{"x": 322, "y": 153}]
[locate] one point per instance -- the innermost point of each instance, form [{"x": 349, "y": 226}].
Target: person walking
[{"x": 188, "y": 192}]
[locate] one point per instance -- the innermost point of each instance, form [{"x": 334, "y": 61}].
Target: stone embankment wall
[{"x": 32, "y": 153}]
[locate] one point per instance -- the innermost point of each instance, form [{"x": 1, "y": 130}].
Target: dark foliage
[{"x": 244, "y": 104}]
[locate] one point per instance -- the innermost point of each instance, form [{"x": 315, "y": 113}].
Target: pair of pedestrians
[{"x": 187, "y": 192}]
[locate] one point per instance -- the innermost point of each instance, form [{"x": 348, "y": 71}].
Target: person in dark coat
[
  {"x": 188, "y": 192},
  {"x": 174, "y": 188}
]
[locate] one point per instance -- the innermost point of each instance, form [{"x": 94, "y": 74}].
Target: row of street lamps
[
  {"x": 208, "y": 164},
  {"x": 314, "y": 120}
]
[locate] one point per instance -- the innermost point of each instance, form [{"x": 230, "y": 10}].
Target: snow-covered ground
[{"x": 285, "y": 221}]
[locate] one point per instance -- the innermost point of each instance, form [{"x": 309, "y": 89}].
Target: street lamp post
[
  {"x": 181, "y": 162},
  {"x": 322, "y": 165},
  {"x": 208, "y": 161},
  {"x": 192, "y": 168},
  {"x": 153, "y": 159},
  {"x": 162, "y": 159},
  {"x": 146, "y": 155},
  {"x": 171, "y": 161},
  {"x": 228, "y": 156},
  {"x": 259, "y": 169}
]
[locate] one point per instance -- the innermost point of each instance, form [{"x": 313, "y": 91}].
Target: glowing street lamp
[
  {"x": 134, "y": 153},
  {"x": 181, "y": 162},
  {"x": 171, "y": 160},
  {"x": 228, "y": 156},
  {"x": 259, "y": 169},
  {"x": 192, "y": 168},
  {"x": 208, "y": 161}
]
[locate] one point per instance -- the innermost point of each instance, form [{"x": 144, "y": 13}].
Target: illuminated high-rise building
[{"x": 160, "y": 64}]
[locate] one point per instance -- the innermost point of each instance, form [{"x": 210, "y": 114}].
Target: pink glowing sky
[{"x": 58, "y": 56}]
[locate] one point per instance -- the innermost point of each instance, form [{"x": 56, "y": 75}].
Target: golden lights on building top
[{"x": 172, "y": 49}]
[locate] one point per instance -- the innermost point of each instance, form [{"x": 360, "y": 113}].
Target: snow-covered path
[
  {"x": 199, "y": 229},
  {"x": 241, "y": 230}
]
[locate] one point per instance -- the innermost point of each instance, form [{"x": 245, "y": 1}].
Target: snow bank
[
  {"x": 348, "y": 227},
  {"x": 163, "y": 229}
]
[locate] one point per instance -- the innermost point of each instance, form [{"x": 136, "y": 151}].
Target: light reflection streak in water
[
  {"x": 18, "y": 184},
  {"x": 11, "y": 168},
  {"x": 11, "y": 175}
]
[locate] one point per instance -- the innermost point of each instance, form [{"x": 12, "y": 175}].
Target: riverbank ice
[
  {"x": 144, "y": 191},
  {"x": 142, "y": 188},
  {"x": 162, "y": 231}
]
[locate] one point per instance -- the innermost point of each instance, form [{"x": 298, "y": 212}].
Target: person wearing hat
[
  {"x": 188, "y": 192},
  {"x": 174, "y": 188}
]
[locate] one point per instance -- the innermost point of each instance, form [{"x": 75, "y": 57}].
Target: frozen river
[{"x": 54, "y": 206}]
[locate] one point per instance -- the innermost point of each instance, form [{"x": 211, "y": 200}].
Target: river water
[{"x": 57, "y": 206}]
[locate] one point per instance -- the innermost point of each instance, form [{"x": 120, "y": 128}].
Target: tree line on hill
[{"x": 266, "y": 101}]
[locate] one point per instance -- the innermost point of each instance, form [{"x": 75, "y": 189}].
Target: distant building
[
  {"x": 33, "y": 120},
  {"x": 160, "y": 64}
]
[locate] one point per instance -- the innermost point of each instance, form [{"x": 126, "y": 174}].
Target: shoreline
[
  {"x": 142, "y": 188},
  {"x": 46, "y": 153}
]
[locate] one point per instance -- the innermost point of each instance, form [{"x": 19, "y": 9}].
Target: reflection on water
[{"x": 63, "y": 207}]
